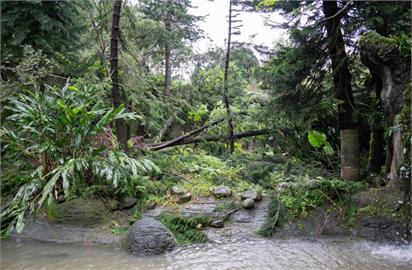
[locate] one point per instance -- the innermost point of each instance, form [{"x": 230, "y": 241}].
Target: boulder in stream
[
  {"x": 149, "y": 236},
  {"x": 248, "y": 203},
  {"x": 251, "y": 194},
  {"x": 84, "y": 213},
  {"x": 184, "y": 198},
  {"x": 127, "y": 202},
  {"x": 222, "y": 192}
]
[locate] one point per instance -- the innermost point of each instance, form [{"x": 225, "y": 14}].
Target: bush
[{"x": 57, "y": 138}]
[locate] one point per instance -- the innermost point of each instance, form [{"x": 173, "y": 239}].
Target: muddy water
[{"x": 329, "y": 253}]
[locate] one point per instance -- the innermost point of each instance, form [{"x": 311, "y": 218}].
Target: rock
[
  {"x": 251, "y": 194},
  {"x": 175, "y": 190},
  {"x": 217, "y": 223},
  {"x": 222, "y": 191},
  {"x": 184, "y": 198},
  {"x": 127, "y": 202},
  {"x": 283, "y": 186},
  {"x": 149, "y": 236},
  {"x": 85, "y": 213},
  {"x": 199, "y": 226},
  {"x": 248, "y": 203},
  {"x": 60, "y": 199}
]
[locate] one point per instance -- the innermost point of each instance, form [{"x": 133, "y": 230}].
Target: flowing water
[{"x": 260, "y": 254}]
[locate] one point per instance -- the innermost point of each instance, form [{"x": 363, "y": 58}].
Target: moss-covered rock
[{"x": 86, "y": 213}]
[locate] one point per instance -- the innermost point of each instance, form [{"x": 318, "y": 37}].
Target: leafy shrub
[
  {"x": 301, "y": 198},
  {"x": 55, "y": 138}
]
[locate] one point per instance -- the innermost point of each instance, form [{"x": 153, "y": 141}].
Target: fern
[
  {"x": 275, "y": 219},
  {"x": 184, "y": 228}
]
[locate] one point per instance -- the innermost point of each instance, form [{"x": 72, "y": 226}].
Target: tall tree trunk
[
  {"x": 226, "y": 83},
  {"x": 168, "y": 68},
  {"x": 350, "y": 169},
  {"x": 376, "y": 144},
  {"x": 117, "y": 97}
]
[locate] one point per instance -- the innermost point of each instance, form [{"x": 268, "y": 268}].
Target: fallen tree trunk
[
  {"x": 187, "y": 140},
  {"x": 176, "y": 141}
]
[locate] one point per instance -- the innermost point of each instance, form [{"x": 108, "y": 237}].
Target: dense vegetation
[{"x": 106, "y": 99}]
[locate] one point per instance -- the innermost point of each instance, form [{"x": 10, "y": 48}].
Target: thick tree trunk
[
  {"x": 167, "y": 55},
  {"x": 350, "y": 168},
  {"x": 121, "y": 128},
  {"x": 226, "y": 83}
]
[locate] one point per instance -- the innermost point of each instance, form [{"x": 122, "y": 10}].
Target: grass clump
[
  {"x": 301, "y": 198},
  {"x": 184, "y": 228}
]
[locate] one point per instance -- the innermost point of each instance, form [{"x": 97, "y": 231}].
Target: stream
[{"x": 257, "y": 253}]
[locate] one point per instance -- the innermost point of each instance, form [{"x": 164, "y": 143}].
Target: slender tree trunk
[
  {"x": 226, "y": 83},
  {"x": 350, "y": 169},
  {"x": 121, "y": 128},
  {"x": 168, "y": 68}
]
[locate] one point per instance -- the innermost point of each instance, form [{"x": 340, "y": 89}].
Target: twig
[{"x": 337, "y": 13}]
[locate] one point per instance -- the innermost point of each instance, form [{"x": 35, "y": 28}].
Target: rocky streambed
[{"x": 234, "y": 217}]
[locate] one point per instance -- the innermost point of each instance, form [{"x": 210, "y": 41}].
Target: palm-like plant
[{"x": 54, "y": 136}]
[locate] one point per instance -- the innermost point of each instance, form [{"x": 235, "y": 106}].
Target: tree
[
  {"x": 350, "y": 167},
  {"x": 50, "y": 26},
  {"x": 117, "y": 97},
  {"x": 231, "y": 20},
  {"x": 179, "y": 28}
]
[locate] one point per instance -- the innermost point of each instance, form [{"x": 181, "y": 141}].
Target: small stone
[
  {"x": 184, "y": 198},
  {"x": 222, "y": 191},
  {"x": 248, "y": 203},
  {"x": 175, "y": 190},
  {"x": 151, "y": 205},
  {"x": 251, "y": 194},
  {"x": 127, "y": 202},
  {"x": 199, "y": 226},
  {"x": 283, "y": 186},
  {"x": 61, "y": 199},
  {"x": 217, "y": 223}
]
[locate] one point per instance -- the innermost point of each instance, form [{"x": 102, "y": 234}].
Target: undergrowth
[{"x": 184, "y": 228}]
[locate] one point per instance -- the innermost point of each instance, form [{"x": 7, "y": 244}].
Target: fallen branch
[{"x": 226, "y": 215}]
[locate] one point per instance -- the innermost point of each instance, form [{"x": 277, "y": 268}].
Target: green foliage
[
  {"x": 318, "y": 139},
  {"x": 120, "y": 230},
  {"x": 49, "y": 26},
  {"x": 63, "y": 140},
  {"x": 226, "y": 207},
  {"x": 302, "y": 197},
  {"x": 197, "y": 115},
  {"x": 404, "y": 45},
  {"x": 184, "y": 228},
  {"x": 276, "y": 217}
]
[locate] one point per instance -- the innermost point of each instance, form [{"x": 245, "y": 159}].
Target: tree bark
[
  {"x": 158, "y": 146},
  {"x": 376, "y": 144},
  {"x": 350, "y": 168},
  {"x": 187, "y": 140},
  {"x": 121, "y": 128},
  {"x": 226, "y": 83},
  {"x": 167, "y": 55}
]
